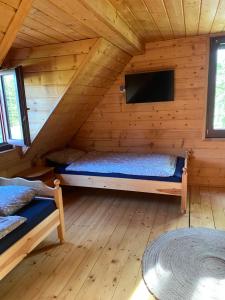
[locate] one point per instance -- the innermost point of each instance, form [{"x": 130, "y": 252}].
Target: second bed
[{"x": 149, "y": 173}]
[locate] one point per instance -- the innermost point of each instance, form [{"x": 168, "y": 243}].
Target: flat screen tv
[{"x": 150, "y": 87}]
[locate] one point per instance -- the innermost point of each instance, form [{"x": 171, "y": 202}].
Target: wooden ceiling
[
  {"x": 134, "y": 21},
  {"x": 7, "y": 13},
  {"x": 168, "y": 19},
  {"x": 49, "y": 24},
  {"x": 12, "y": 14},
  {"x": 57, "y": 21}
]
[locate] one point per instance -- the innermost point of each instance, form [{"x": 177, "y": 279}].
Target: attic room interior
[{"x": 112, "y": 149}]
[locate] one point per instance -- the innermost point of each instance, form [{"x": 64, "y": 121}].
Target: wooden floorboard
[{"x": 106, "y": 234}]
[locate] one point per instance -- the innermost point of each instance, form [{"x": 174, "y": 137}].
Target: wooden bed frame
[
  {"x": 136, "y": 185},
  {"x": 17, "y": 252}
]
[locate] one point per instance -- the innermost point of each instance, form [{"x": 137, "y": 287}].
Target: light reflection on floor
[{"x": 141, "y": 293}]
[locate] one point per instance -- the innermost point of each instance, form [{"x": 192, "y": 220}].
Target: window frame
[
  {"x": 8, "y": 141},
  {"x": 215, "y": 44},
  {"x": 4, "y": 145}
]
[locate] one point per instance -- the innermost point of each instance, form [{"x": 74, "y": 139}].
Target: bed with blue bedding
[
  {"x": 40, "y": 214},
  {"x": 140, "y": 172},
  {"x": 35, "y": 212},
  {"x": 175, "y": 177}
]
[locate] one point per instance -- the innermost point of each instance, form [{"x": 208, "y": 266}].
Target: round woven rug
[{"x": 186, "y": 264}]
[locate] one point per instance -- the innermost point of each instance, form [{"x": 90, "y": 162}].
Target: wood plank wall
[
  {"x": 87, "y": 79},
  {"x": 89, "y": 84},
  {"x": 163, "y": 127},
  {"x": 47, "y": 73},
  {"x": 11, "y": 162}
]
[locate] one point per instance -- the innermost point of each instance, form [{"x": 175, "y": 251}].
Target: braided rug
[{"x": 186, "y": 264}]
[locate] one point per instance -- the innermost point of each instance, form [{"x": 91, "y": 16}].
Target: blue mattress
[
  {"x": 35, "y": 212},
  {"x": 177, "y": 176}
]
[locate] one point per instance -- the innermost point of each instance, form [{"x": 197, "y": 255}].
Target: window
[
  {"x": 215, "y": 127},
  {"x": 14, "y": 127}
]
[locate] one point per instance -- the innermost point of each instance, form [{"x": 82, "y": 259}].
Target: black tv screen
[{"x": 150, "y": 87}]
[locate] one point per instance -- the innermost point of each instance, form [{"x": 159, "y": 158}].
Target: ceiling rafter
[
  {"x": 14, "y": 27},
  {"x": 102, "y": 17}
]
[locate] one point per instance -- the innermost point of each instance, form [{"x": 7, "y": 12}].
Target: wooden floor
[{"x": 107, "y": 232}]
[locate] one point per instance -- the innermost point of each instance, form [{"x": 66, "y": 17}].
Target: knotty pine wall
[
  {"x": 11, "y": 162},
  {"x": 67, "y": 80},
  {"x": 88, "y": 85},
  {"x": 47, "y": 73},
  {"x": 171, "y": 127}
]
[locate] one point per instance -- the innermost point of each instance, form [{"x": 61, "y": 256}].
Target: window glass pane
[
  {"x": 12, "y": 107},
  {"x": 219, "y": 110},
  {"x": 1, "y": 136}
]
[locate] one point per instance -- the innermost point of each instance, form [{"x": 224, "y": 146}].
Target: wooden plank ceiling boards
[
  {"x": 128, "y": 24},
  {"x": 168, "y": 19},
  {"x": 12, "y": 14},
  {"x": 59, "y": 21}
]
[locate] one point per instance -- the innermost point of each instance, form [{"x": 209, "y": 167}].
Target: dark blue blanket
[{"x": 35, "y": 212}]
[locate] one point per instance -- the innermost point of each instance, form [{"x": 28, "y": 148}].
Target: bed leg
[
  {"x": 184, "y": 192},
  {"x": 183, "y": 202},
  {"x": 61, "y": 235},
  {"x": 59, "y": 204}
]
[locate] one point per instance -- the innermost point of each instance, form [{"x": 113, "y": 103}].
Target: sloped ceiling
[
  {"x": 12, "y": 15},
  {"x": 55, "y": 21},
  {"x": 94, "y": 65},
  {"x": 126, "y": 23},
  {"x": 48, "y": 71},
  {"x": 91, "y": 80}
]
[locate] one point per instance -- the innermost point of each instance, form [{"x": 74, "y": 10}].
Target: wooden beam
[
  {"x": 102, "y": 17},
  {"x": 13, "y": 28}
]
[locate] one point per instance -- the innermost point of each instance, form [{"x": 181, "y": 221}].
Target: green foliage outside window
[
  {"x": 219, "y": 113},
  {"x": 12, "y": 106},
  {"x": 1, "y": 138}
]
